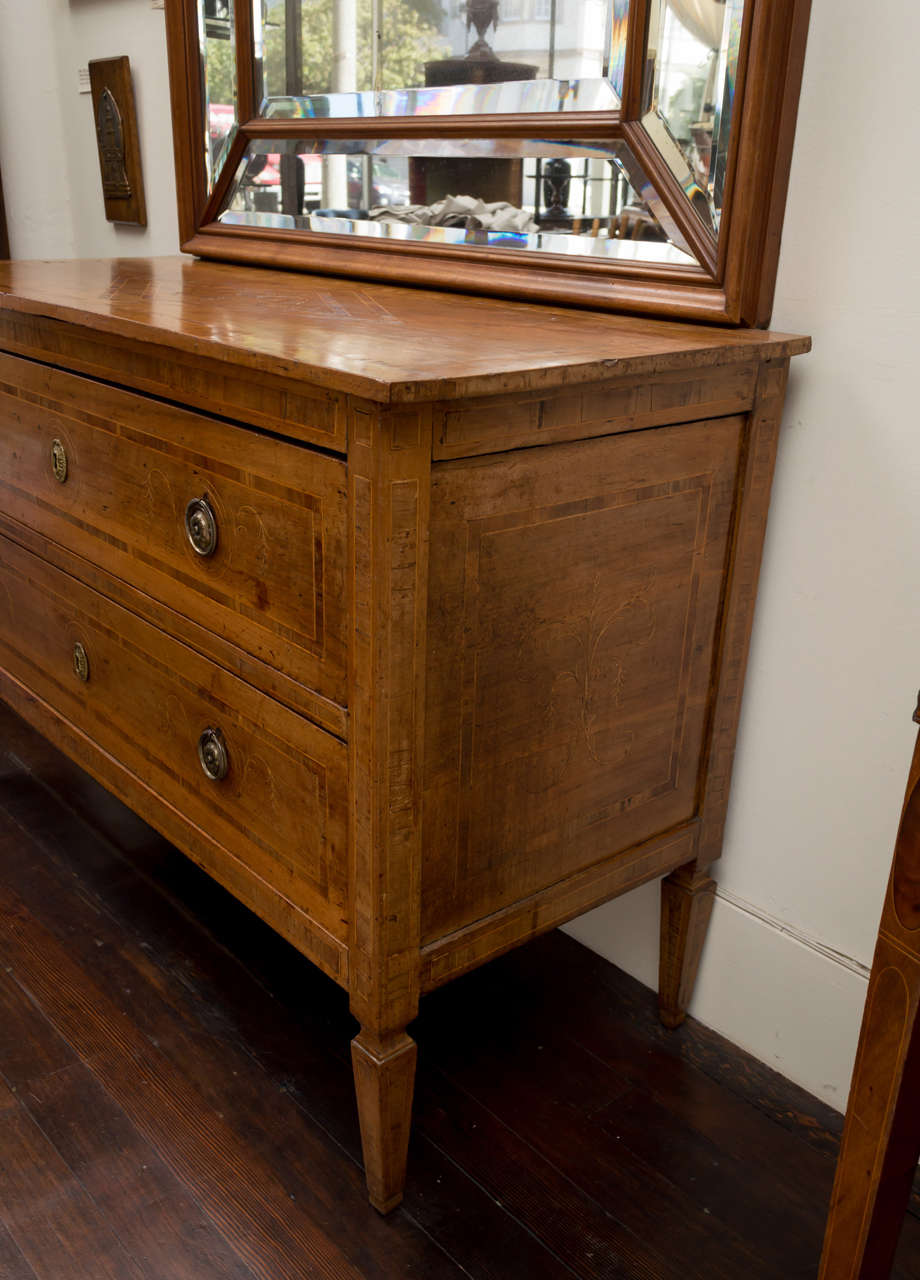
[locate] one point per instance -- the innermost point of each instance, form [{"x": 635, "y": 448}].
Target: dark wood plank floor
[{"x": 176, "y": 1098}]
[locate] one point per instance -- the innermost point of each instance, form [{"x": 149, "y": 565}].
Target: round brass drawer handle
[
  {"x": 201, "y": 526},
  {"x": 80, "y": 662},
  {"x": 212, "y": 752},
  {"x": 59, "y": 460}
]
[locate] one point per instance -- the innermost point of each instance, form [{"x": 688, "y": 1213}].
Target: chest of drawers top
[{"x": 390, "y": 345}]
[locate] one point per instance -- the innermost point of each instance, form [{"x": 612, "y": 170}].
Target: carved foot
[
  {"x": 384, "y": 1070},
  {"x": 687, "y": 897}
]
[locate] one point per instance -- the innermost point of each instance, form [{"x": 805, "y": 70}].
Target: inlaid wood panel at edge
[
  {"x": 179, "y": 327},
  {"x": 273, "y": 830},
  {"x": 575, "y": 594},
  {"x": 881, "y": 1138},
  {"x": 274, "y": 586},
  {"x": 492, "y": 424},
  {"x": 265, "y": 398}
]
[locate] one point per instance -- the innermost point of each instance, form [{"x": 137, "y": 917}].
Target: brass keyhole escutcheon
[
  {"x": 212, "y": 752},
  {"x": 80, "y": 662},
  {"x": 59, "y": 461},
  {"x": 201, "y": 526}
]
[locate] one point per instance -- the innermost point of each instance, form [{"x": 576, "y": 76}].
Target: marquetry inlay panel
[
  {"x": 493, "y": 424},
  {"x": 146, "y": 701},
  {"x": 274, "y": 584},
  {"x": 576, "y": 593},
  {"x": 275, "y": 402}
]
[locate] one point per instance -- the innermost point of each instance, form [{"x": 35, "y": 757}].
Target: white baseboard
[{"x": 788, "y": 999}]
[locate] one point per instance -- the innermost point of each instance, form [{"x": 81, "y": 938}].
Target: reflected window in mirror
[
  {"x": 218, "y": 57},
  {"x": 347, "y": 58},
  {"x": 689, "y": 93},
  {"x": 577, "y": 199}
]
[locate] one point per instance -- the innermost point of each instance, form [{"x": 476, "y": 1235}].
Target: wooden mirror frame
[{"x": 734, "y": 284}]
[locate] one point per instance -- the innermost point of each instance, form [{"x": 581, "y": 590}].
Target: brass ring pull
[
  {"x": 59, "y": 460},
  {"x": 201, "y": 526},
  {"x": 212, "y": 752},
  {"x": 80, "y": 662}
]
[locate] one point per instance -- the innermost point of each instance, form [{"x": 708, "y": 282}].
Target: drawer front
[
  {"x": 266, "y": 399},
  {"x": 109, "y": 475},
  {"x": 278, "y": 816}
]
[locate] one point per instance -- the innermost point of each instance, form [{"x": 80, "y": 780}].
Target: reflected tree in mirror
[
  {"x": 324, "y": 46},
  {"x": 347, "y": 58},
  {"x": 689, "y": 92},
  {"x": 218, "y": 57}
]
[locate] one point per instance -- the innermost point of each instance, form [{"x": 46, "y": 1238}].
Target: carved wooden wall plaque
[{"x": 115, "y": 122}]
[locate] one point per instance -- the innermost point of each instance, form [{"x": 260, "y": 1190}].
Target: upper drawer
[
  {"x": 266, "y": 398},
  {"x": 273, "y": 584}
]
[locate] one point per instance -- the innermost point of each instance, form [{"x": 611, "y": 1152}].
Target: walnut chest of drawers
[{"x": 418, "y": 621}]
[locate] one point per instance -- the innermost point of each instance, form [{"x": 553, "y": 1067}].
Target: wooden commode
[{"x": 418, "y": 620}]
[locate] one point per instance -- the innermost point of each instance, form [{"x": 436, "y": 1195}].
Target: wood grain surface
[
  {"x": 492, "y": 424},
  {"x": 881, "y": 1138},
  {"x": 755, "y": 480},
  {"x": 274, "y": 827},
  {"x": 575, "y": 600},
  {"x": 275, "y": 583},
  {"x": 389, "y": 465},
  {"x": 257, "y": 397},
  {"x": 379, "y": 341},
  {"x": 4, "y": 231},
  {"x": 687, "y": 900}
]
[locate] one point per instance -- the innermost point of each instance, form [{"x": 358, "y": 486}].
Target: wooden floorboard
[
  {"x": 50, "y": 1215},
  {"x": 13, "y": 1265},
  {"x": 176, "y": 1097}
]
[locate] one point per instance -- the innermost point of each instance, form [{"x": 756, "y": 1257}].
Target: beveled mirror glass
[
  {"x": 578, "y": 199},
  {"x": 581, "y": 150},
  {"x": 347, "y": 58},
  {"x": 692, "y": 53},
  {"x": 218, "y": 74}
]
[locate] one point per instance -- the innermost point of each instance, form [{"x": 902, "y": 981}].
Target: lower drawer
[{"x": 272, "y": 827}]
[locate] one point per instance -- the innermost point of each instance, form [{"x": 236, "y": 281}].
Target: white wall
[
  {"x": 826, "y": 733},
  {"x": 48, "y": 157}
]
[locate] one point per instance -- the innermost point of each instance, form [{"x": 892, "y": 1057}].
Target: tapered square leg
[
  {"x": 384, "y": 1082},
  {"x": 687, "y": 896}
]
